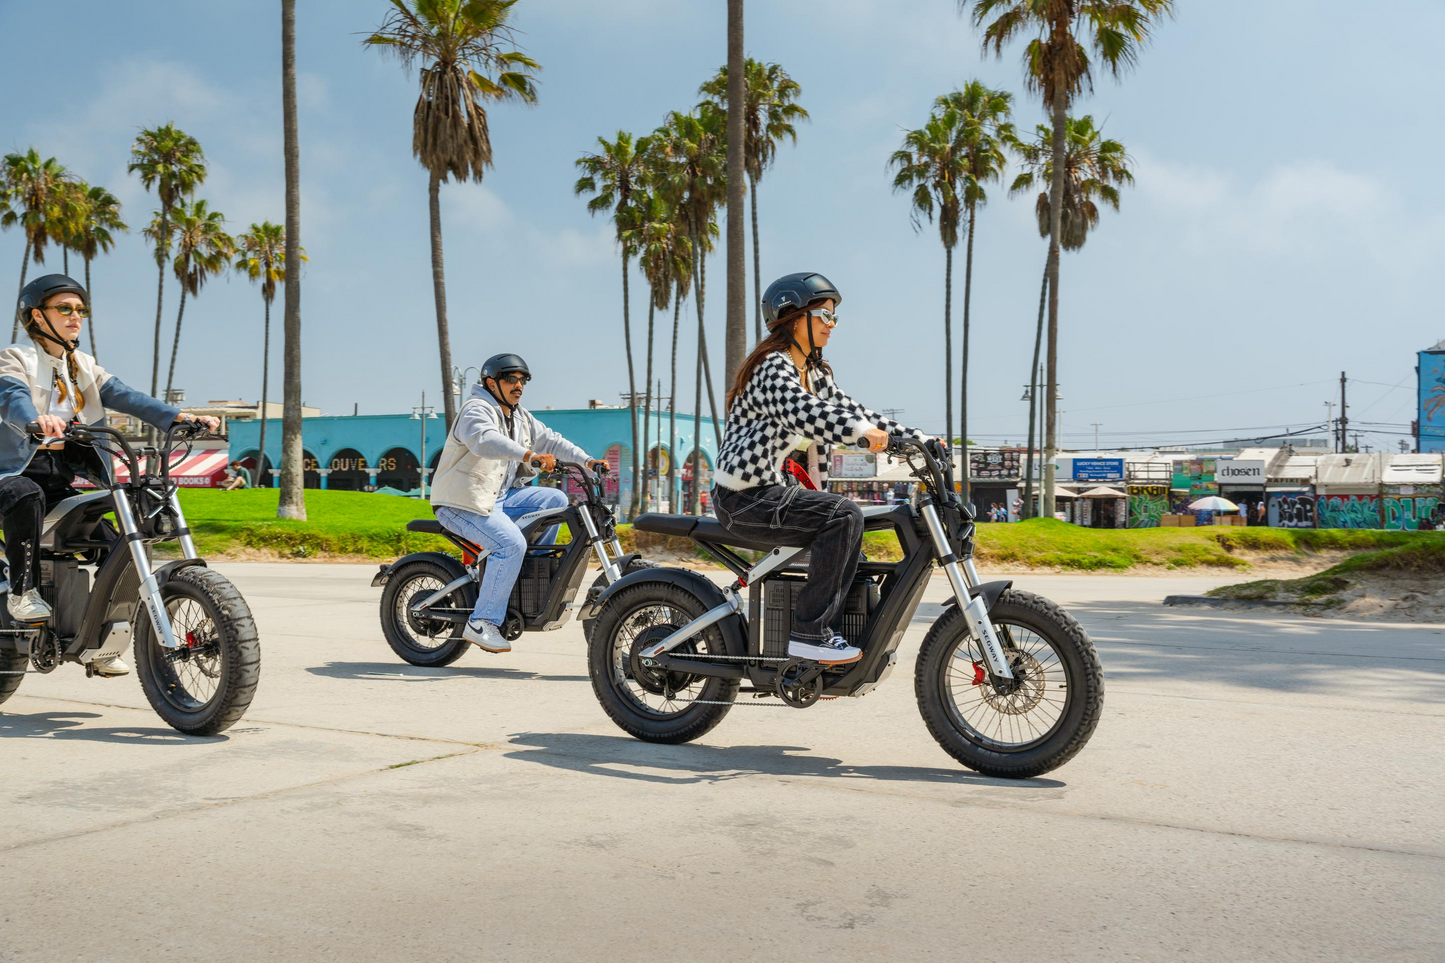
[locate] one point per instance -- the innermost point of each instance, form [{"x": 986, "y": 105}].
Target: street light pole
[{"x": 422, "y": 412}]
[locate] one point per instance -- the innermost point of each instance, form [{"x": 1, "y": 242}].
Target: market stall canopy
[
  {"x": 199, "y": 469},
  {"x": 1413, "y": 470},
  {"x": 1213, "y": 503},
  {"x": 1351, "y": 473},
  {"x": 1103, "y": 491}
]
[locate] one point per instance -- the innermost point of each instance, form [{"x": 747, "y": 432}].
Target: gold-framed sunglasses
[
  {"x": 66, "y": 310},
  {"x": 826, "y": 316}
]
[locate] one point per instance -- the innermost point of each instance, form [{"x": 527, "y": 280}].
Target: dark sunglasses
[
  {"x": 514, "y": 379},
  {"x": 66, "y": 310}
]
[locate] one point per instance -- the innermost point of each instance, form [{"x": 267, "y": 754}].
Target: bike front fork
[{"x": 962, "y": 577}]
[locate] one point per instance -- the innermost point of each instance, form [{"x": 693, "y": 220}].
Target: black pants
[
  {"x": 24, "y": 500},
  {"x": 830, "y": 525}
]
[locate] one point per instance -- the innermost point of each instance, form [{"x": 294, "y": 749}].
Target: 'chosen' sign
[{"x": 1229, "y": 471}]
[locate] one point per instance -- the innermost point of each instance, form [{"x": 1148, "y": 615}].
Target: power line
[{"x": 1221, "y": 394}]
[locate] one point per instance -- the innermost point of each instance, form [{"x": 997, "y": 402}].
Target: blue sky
[{"x": 1278, "y": 233}]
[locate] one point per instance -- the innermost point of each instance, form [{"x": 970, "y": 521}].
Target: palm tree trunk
[
  {"x": 265, "y": 377},
  {"x": 631, "y": 386},
  {"x": 1056, "y": 223},
  {"x": 24, "y": 266},
  {"x": 175, "y": 346},
  {"x": 735, "y": 334},
  {"x": 963, "y": 369},
  {"x": 439, "y": 291},
  {"x": 647, "y": 409},
  {"x": 90, "y": 295},
  {"x": 672, "y": 490},
  {"x": 757, "y": 269},
  {"x": 694, "y": 502},
  {"x": 948, "y": 350},
  {"x": 292, "y": 502},
  {"x": 702, "y": 346},
  {"x": 65, "y": 260},
  {"x": 162, "y": 249},
  {"x": 1034, "y": 390}
]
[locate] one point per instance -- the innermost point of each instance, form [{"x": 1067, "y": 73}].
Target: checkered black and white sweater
[{"x": 774, "y": 415}]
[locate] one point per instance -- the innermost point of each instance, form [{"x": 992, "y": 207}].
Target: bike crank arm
[{"x": 962, "y": 577}]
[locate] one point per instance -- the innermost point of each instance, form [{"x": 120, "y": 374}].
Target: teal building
[{"x": 371, "y": 452}]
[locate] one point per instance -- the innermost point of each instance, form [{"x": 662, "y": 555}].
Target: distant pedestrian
[
  {"x": 236, "y": 477},
  {"x": 1259, "y": 513}
]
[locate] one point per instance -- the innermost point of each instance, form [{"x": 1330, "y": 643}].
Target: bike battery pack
[
  {"x": 780, "y": 598},
  {"x": 69, "y": 593}
]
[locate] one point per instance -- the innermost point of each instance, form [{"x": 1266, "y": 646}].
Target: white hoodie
[{"x": 480, "y": 459}]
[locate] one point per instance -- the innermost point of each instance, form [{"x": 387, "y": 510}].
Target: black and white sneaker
[{"x": 833, "y": 650}]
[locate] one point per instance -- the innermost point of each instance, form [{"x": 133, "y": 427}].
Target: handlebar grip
[
  {"x": 33, "y": 428},
  {"x": 536, "y": 463}
]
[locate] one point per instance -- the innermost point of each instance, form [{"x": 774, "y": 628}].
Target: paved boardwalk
[{"x": 1258, "y": 790}]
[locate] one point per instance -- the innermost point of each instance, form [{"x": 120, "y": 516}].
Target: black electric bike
[
  {"x": 196, "y": 649},
  {"x": 1007, "y": 682},
  {"x": 428, "y": 596}
]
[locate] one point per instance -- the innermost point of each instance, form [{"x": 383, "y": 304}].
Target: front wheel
[
  {"x": 1034, "y": 723},
  {"x": 649, "y": 703},
  {"x": 205, "y": 686},
  {"x": 12, "y": 663}
]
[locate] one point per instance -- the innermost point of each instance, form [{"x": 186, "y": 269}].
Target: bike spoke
[{"x": 1018, "y": 714}]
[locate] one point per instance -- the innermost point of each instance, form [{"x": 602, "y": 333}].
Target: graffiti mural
[
  {"x": 1432, "y": 401},
  {"x": 1291, "y": 510},
  {"x": 1403, "y": 513},
  {"x": 1147, "y": 504},
  {"x": 1347, "y": 511}
]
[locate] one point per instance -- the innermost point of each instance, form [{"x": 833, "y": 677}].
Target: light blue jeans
[{"x": 500, "y": 533}]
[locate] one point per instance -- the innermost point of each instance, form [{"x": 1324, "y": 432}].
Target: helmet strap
[{"x": 812, "y": 355}]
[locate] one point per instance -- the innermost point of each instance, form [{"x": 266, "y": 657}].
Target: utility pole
[
  {"x": 1330, "y": 423},
  {"x": 1096, "y": 425},
  {"x": 422, "y": 412},
  {"x": 1344, "y": 418}
]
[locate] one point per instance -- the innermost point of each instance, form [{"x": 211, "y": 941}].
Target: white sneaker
[
  {"x": 830, "y": 651},
  {"x": 110, "y": 668},
  {"x": 29, "y": 607},
  {"x": 486, "y": 636}
]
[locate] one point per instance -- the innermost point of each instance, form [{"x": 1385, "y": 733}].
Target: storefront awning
[
  {"x": 200, "y": 469},
  {"x": 1408, "y": 469},
  {"x": 1103, "y": 491}
]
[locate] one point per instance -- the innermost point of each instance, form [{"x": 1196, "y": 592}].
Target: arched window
[
  {"x": 348, "y": 471},
  {"x": 398, "y": 469},
  {"x": 310, "y": 477}
]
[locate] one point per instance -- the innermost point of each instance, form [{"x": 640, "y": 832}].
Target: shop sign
[
  {"x": 854, "y": 464},
  {"x": 1004, "y": 463},
  {"x": 1195, "y": 476},
  {"x": 1233, "y": 471},
  {"x": 1098, "y": 469}
]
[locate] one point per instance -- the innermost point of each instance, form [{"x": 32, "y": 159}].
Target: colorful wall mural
[
  {"x": 1432, "y": 401},
  {"x": 1347, "y": 511},
  {"x": 1291, "y": 509},
  {"x": 1197, "y": 475},
  {"x": 1403, "y": 513},
  {"x": 1147, "y": 504}
]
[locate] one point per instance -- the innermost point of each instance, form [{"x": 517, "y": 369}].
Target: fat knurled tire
[
  {"x": 241, "y": 661},
  {"x": 1084, "y": 674},
  {"x": 442, "y": 655}
]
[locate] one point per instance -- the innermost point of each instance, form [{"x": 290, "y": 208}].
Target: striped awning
[{"x": 199, "y": 469}]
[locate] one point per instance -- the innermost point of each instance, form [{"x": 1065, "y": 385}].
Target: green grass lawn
[
  {"x": 1421, "y": 558},
  {"x": 373, "y": 526}
]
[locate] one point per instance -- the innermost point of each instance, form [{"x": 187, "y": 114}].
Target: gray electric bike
[
  {"x": 196, "y": 649},
  {"x": 1007, "y": 682}
]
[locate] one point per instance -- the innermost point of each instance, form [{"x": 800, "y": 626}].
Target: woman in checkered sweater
[{"x": 784, "y": 406}]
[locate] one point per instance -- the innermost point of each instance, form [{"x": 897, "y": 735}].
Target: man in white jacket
[{"x": 481, "y": 485}]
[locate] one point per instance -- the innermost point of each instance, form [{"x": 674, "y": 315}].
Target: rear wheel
[
  {"x": 1020, "y": 728},
  {"x": 415, "y": 636},
  {"x": 12, "y": 664},
  {"x": 647, "y": 703},
  {"x": 205, "y": 686}
]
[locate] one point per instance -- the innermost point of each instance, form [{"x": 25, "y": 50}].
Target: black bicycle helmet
[
  {"x": 35, "y": 294},
  {"x": 796, "y": 291},
  {"x": 503, "y": 364}
]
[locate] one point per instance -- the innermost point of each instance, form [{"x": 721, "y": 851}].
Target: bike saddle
[
  {"x": 698, "y": 529},
  {"x": 428, "y": 525}
]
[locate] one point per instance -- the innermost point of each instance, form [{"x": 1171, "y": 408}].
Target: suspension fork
[
  {"x": 150, "y": 590},
  {"x": 599, "y": 545},
  {"x": 962, "y": 576}
]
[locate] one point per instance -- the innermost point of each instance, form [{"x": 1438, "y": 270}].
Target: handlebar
[{"x": 89, "y": 435}]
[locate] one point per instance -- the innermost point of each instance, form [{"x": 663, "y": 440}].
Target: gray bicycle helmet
[
  {"x": 796, "y": 291},
  {"x": 502, "y": 364},
  {"x": 35, "y": 294}
]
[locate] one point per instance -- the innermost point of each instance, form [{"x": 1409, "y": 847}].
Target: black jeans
[
  {"x": 830, "y": 525},
  {"x": 24, "y": 500}
]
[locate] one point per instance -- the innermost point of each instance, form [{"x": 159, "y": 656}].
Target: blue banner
[{"x": 1098, "y": 469}]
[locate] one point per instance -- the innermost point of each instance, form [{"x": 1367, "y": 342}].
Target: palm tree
[
  {"x": 459, "y": 43},
  {"x": 983, "y": 121},
  {"x": 691, "y": 175},
  {"x": 665, "y": 253},
  {"x": 613, "y": 177},
  {"x": 932, "y": 166},
  {"x": 769, "y": 115},
  {"x": 203, "y": 249},
  {"x": 97, "y": 226},
  {"x": 262, "y": 257},
  {"x": 1057, "y": 67},
  {"x": 32, "y": 189},
  {"x": 735, "y": 314},
  {"x": 292, "y": 497},
  {"x": 172, "y": 161}
]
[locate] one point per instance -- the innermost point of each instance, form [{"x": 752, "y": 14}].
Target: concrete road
[{"x": 1259, "y": 789}]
